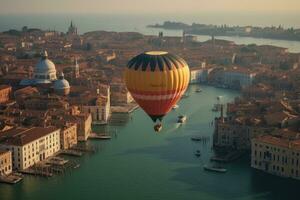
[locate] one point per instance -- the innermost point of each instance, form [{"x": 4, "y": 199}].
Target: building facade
[
  {"x": 238, "y": 78},
  {"x": 30, "y": 146},
  {"x": 84, "y": 125},
  {"x": 5, "y": 162},
  {"x": 68, "y": 136},
  {"x": 5, "y": 93},
  {"x": 277, "y": 156},
  {"x": 199, "y": 74}
]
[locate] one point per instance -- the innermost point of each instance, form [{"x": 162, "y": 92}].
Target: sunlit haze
[{"x": 146, "y": 6}]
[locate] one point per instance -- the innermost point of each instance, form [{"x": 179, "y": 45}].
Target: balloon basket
[{"x": 158, "y": 127}]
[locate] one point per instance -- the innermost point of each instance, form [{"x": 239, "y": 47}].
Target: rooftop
[{"x": 23, "y": 136}]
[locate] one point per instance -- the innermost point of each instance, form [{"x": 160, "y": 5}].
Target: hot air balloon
[{"x": 156, "y": 80}]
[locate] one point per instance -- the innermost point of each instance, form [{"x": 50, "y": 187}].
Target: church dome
[
  {"x": 62, "y": 86},
  {"x": 45, "y": 69},
  {"x": 45, "y": 65}
]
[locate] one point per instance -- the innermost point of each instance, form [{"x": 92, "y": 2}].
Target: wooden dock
[
  {"x": 124, "y": 109},
  {"x": 36, "y": 173},
  {"x": 10, "y": 179},
  {"x": 96, "y": 136},
  {"x": 229, "y": 157},
  {"x": 70, "y": 152}
]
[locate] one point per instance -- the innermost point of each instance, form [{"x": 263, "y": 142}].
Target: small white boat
[
  {"x": 175, "y": 107},
  {"x": 215, "y": 169},
  {"x": 198, "y": 90},
  {"x": 196, "y": 138},
  {"x": 181, "y": 119},
  {"x": 185, "y": 96}
]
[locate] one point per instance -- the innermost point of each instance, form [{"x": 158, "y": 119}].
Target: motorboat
[
  {"x": 214, "y": 169},
  {"x": 196, "y": 138},
  {"x": 181, "y": 119},
  {"x": 175, "y": 106},
  {"x": 198, "y": 90}
]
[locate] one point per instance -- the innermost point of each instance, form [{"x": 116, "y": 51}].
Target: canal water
[{"x": 141, "y": 164}]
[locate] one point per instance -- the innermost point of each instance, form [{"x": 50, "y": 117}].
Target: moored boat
[
  {"x": 214, "y": 169},
  {"x": 175, "y": 107},
  {"x": 181, "y": 119}
]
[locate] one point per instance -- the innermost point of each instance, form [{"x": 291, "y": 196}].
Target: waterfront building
[
  {"x": 62, "y": 86},
  {"x": 238, "y": 77},
  {"x": 98, "y": 106},
  {"x": 5, "y": 93},
  {"x": 68, "y": 136},
  {"x": 120, "y": 95},
  {"x": 84, "y": 125},
  {"x": 199, "y": 74},
  {"x": 276, "y": 155},
  {"x": 5, "y": 162},
  {"x": 30, "y": 145},
  {"x": 237, "y": 134}
]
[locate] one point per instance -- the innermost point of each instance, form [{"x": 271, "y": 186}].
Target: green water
[{"x": 139, "y": 164}]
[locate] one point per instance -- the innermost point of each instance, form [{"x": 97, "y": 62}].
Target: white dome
[
  {"x": 45, "y": 66},
  {"x": 61, "y": 84},
  {"x": 45, "y": 69}
]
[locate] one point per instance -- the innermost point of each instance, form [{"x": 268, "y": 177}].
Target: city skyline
[{"x": 146, "y": 6}]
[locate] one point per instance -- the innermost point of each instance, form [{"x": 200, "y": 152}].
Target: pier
[
  {"x": 11, "y": 178},
  {"x": 101, "y": 136},
  {"x": 228, "y": 157},
  {"x": 70, "y": 152}
]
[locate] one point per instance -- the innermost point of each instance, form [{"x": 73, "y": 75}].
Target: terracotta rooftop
[
  {"x": 3, "y": 152},
  {"x": 277, "y": 141},
  {"x": 2, "y": 87},
  {"x": 23, "y": 136}
]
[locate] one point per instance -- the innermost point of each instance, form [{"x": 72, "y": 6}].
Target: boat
[
  {"x": 198, "y": 90},
  {"x": 198, "y": 153},
  {"x": 185, "y": 96},
  {"x": 196, "y": 138},
  {"x": 175, "y": 107},
  {"x": 219, "y": 98},
  {"x": 104, "y": 137},
  {"x": 181, "y": 119},
  {"x": 76, "y": 166},
  {"x": 215, "y": 169},
  {"x": 99, "y": 136}
]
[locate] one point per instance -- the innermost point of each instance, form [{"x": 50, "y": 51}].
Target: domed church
[
  {"x": 62, "y": 86},
  {"x": 44, "y": 71}
]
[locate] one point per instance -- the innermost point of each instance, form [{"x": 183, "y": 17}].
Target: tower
[
  {"x": 76, "y": 69},
  {"x": 72, "y": 29}
]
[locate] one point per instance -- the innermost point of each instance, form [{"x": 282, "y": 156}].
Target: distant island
[{"x": 225, "y": 30}]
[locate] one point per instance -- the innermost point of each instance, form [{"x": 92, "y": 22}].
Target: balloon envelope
[{"x": 157, "y": 80}]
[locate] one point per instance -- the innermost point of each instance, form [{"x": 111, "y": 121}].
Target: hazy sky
[{"x": 146, "y": 6}]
